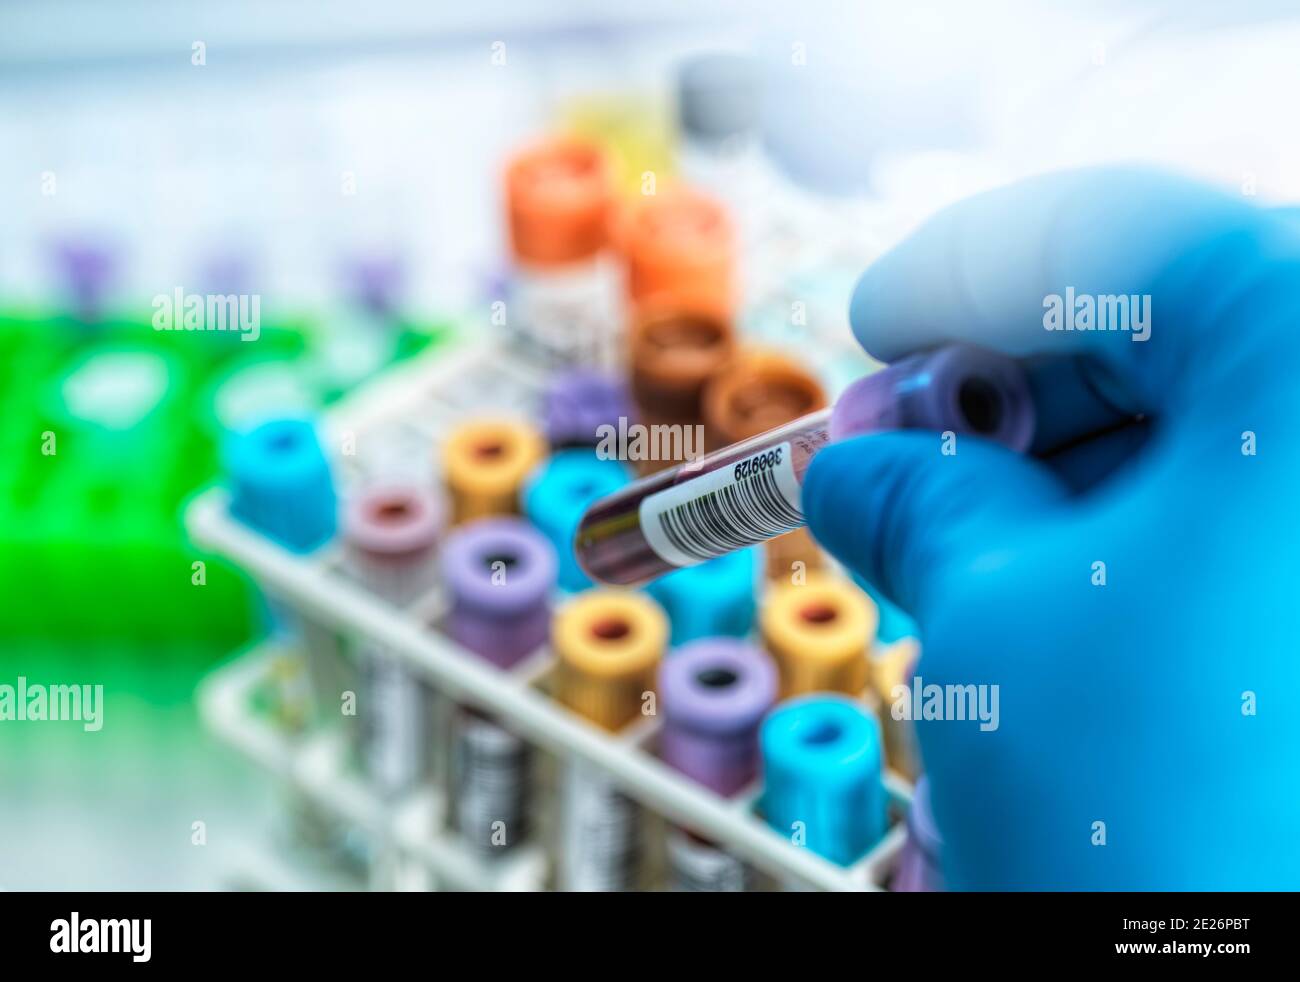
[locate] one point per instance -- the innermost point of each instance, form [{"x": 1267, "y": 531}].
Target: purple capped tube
[
  {"x": 499, "y": 573},
  {"x": 918, "y": 863},
  {"x": 715, "y": 693}
]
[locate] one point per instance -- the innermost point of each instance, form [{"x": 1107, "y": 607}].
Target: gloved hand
[{"x": 1164, "y": 700}]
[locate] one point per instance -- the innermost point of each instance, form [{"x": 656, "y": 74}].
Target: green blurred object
[{"x": 105, "y": 434}]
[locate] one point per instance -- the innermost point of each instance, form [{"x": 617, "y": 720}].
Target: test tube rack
[{"x": 399, "y": 420}]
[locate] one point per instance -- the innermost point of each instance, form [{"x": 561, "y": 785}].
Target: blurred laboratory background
[{"x": 382, "y": 178}]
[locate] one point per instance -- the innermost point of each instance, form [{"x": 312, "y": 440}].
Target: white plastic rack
[{"x": 398, "y": 423}]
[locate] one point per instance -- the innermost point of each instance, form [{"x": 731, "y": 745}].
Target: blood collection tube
[
  {"x": 821, "y": 774},
  {"x": 559, "y": 492},
  {"x": 564, "y": 282},
  {"x": 760, "y": 391},
  {"x": 750, "y": 492},
  {"x": 485, "y": 463},
  {"x": 577, "y": 403},
  {"x": 499, "y": 574},
  {"x": 376, "y": 279},
  {"x": 390, "y": 534},
  {"x": 714, "y": 599},
  {"x": 362, "y": 333},
  {"x": 608, "y": 645},
  {"x": 88, "y": 267},
  {"x": 892, "y": 666},
  {"x": 391, "y": 530},
  {"x": 680, "y": 245},
  {"x": 714, "y": 693},
  {"x": 818, "y": 633},
  {"x": 280, "y": 485},
  {"x": 918, "y": 863},
  {"x": 675, "y": 348},
  {"x": 718, "y": 114}
]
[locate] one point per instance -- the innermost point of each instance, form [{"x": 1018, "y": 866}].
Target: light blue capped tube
[
  {"x": 280, "y": 484},
  {"x": 821, "y": 776},
  {"x": 558, "y": 495},
  {"x": 714, "y": 599}
]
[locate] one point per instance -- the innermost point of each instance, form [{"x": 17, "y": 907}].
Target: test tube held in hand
[{"x": 750, "y": 492}]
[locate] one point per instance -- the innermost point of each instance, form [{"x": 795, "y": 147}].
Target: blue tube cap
[
  {"x": 714, "y": 599},
  {"x": 560, "y": 492},
  {"x": 281, "y": 485},
  {"x": 821, "y": 770}
]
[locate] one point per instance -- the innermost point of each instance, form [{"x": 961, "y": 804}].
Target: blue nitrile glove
[{"x": 1128, "y": 703}]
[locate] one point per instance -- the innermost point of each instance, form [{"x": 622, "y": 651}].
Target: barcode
[
  {"x": 602, "y": 834},
  {"x": 737, "y": 515},
  {"x": 491, "y": 780}
]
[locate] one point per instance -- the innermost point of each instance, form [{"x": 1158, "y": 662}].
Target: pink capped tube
[{"x": 749, "y": 492}]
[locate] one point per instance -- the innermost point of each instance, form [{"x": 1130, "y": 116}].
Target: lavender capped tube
[
  {"x": 750, "y": 492},
  {"x": 918, "y": 864},
  {"x": 715, "y": 692},
  {"x": 499, "y": 573}
]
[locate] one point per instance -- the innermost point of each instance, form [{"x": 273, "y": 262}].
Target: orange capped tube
[
  {"x": 680, "y": 244},
  {"x": 564, "y": 288},
  {"x": 558, "y": 196}
]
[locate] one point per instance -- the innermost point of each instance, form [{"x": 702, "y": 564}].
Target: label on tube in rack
[{"x": 735, "y": 506}]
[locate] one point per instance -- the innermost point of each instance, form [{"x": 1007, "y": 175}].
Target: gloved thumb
[{"x": 907, "y": 509}]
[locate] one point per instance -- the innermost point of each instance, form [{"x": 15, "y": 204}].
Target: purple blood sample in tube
[
  {"x": 750, "y": 492},
  {"x": 715, "y": 693}
]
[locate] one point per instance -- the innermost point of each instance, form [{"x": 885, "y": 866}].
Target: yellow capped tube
[
  {"x": 819, "y": 632},
  {"x": 609, "y": 643},
  {"x": 485, "y": 462}
]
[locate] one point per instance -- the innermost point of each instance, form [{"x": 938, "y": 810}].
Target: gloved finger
[
  {"x": 902, "y": 512},
  {"x": 1083, "y": 465},
  {"x": 1069, "y": 402},
  {"x": 991, "y": 269}
]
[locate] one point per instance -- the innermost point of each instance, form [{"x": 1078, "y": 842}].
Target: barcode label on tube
[{"x": 739, "y": 505}]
